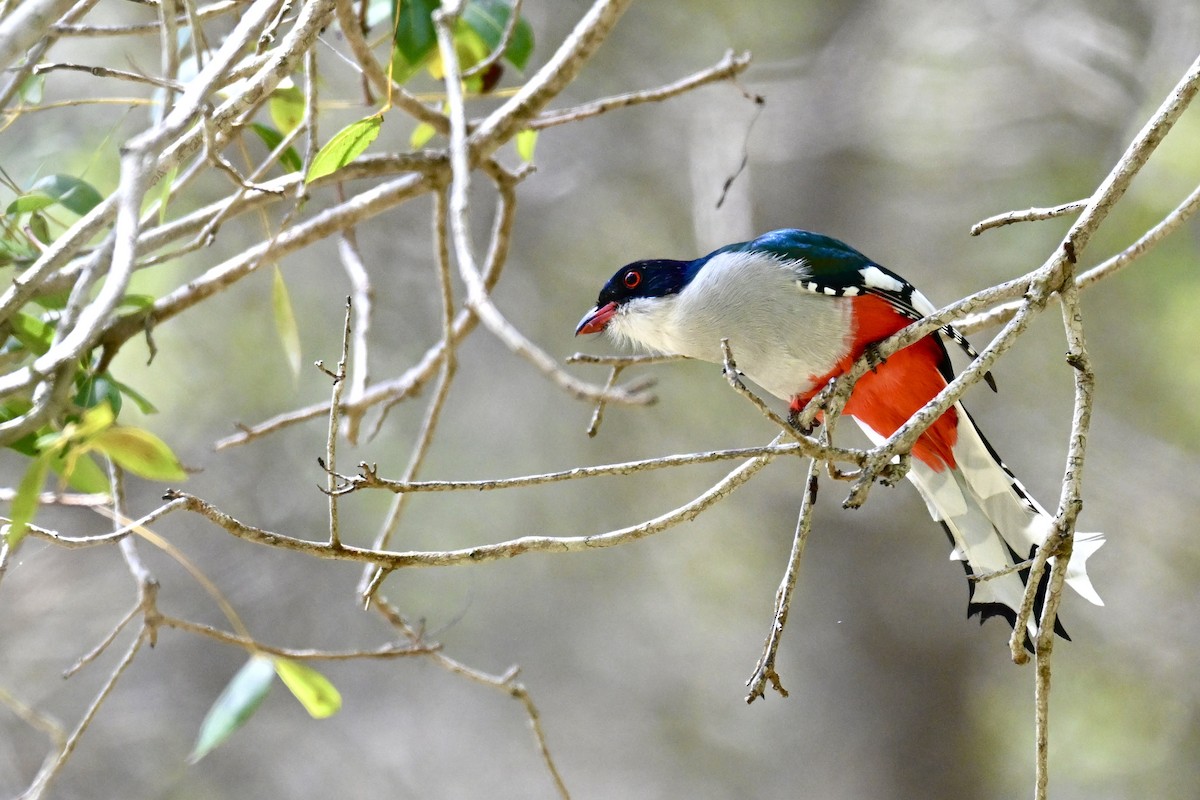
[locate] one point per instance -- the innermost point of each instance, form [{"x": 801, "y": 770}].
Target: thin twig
[
  {"x": 385, "y": 651},
  {"x": 487, "y": 552},
  {"x": 107, "y": 72},
  {"x": 369, "y": 478},
  {"x": 510, "y": 27},
  {"x": 507, "y": 683},
  {"x": 362, "y": 299},
  {"x": 1028, "y": 215},
  {"x": 51, "y": 770},
  {"x": 335, "y": 404},
  {"x": 477, "y": 295},
  {"x": 372, "y": 578},
  {"x": 728, "y": 67},
  {"x": 110, "y": 637},
  {"x": 765, "y": 672}
]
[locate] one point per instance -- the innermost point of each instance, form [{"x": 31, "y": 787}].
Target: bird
[{"x": 799, "y": 308}]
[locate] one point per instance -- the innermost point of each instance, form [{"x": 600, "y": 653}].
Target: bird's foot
[
  {"x": 794, "y": 419},
  {"x": 874, "y": 359}
]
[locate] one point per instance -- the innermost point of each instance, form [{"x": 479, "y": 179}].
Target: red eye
[{"x": 633, "y": 279}]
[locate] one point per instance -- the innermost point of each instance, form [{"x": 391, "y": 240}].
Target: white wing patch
[
  {"x": 921, "y": 303},
  {"x": 816, "y": 288},
  {"x": 875, "y": 278}
]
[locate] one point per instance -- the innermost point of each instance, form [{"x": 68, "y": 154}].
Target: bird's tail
[{"x": 993, "y": 524}]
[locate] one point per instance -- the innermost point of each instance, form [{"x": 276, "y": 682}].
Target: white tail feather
[{"x": 994, "y": 523}]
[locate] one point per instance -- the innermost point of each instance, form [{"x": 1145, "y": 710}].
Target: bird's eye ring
[{"x": 633, "y": 279}]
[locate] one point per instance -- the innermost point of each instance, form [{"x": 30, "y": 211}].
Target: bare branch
[
  {"x": 477, "y": 296},
  {"x": 507, "y": 683},
  {"x": 50, "y": 771},
  {"x": 335, "y": 404},
  {"x": 386, "y": 651},
  {"x": 728, "y": 67},
  {"x": 765, "y": 672},
  {"x": 1028, "y": 215},
  {"x": 506, "y": 35},
  {"x": 369, "y": 479},
  {"x": 480, "y": 553},
  {"x": 554, "y": 76}
]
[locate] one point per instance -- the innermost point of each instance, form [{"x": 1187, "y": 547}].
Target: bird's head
[{"x": 636, "y": 286}]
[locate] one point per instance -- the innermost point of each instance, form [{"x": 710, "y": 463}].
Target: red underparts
[{"x": 887, "y": 397}]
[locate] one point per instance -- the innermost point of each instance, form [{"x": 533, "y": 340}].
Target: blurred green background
[{"x": 892, "y": 124}]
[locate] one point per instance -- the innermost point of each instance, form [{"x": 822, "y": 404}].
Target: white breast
[{"x": 782, "y": 336}]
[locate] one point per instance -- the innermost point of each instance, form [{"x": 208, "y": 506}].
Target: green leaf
[
  {"x": 470, "y": 48},
  {"x": 11, "y": 409},
  {"x": 272, "y": 139},
  {"x": 141, "y": 302},
  {"x": 33, "y": 201},
  {"x": 139, "y": 400},
  {"x": 285, "y": 322},
  {"x": 415, "y": 36},
  {"x": 97, "y": 389},
  {"x": 39, "y": 227},
  {"x": 31, "y": 89},
  {"x": 16, "y": 248},
  {"x": 53, "y": 301},
  {"x": 25, "y": 503},
  {"x": 164, "y": 192},
  {"x": 69, "y": 192},
  {"x": 345, "y": 146},
  {"x": 488, "y": 18},
  {"x": 80, "y": 471},
  {"x": 421, "y": 135},
  {"x": 140, "y": 452},
  {"x": 286, "y": 107},
  {"x": 401, "y": 69},
  {"x": 32, "y": 332},
  {"x": 238, "y": 702},
  {"x": 96, "y": 419},
  {"x": 319, "y": 697},
  {"x": 526, "y": 141}
]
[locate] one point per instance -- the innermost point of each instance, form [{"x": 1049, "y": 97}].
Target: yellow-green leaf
[
  {"x": 34, "y": 201},
  {"x": 33, "y": 332},
  {"x": 241, "y": 698},
  {"x": 140, "y": 452},
  {"x": 345, "y": 146},
  {"x": 421, "y": 135},
  {"x": 314, "y": 691},
  {"x": 526, "y": 141},
  {"x": 164, "y": 192},
  {"x": 96, "y": 419},
  {"x": 79, "y": 471},
  {"x": 286, "y": 107},
  {"x": 469, "y": 46},
  {"x": 285, "y": 322},
  {"x": 24, "y": 504}
]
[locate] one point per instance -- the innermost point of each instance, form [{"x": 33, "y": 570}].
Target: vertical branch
[
  {"x": 146, "y": 582},
  {"x": 373, "y": 576},
  {"x": 168, "y": 37},
  {"x": 765, "y": 672},
  {"x": 1061, "y": 541},
  {"x": 460, "y": 184},
  {"x": 335, "y": 404},
  {"x": 363, "y": 298}
]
